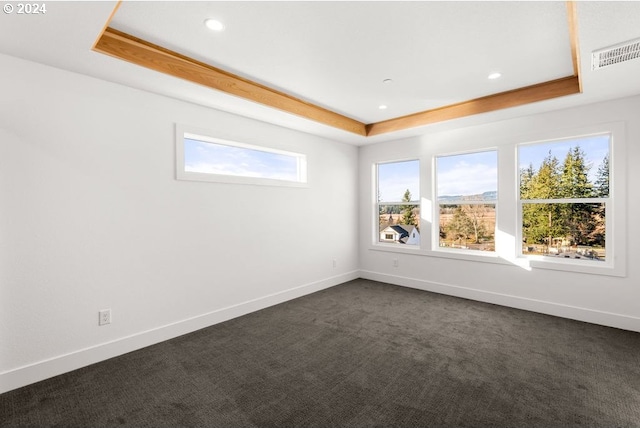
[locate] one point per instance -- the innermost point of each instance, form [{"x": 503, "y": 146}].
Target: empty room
[{"x": 319, "y": 214}]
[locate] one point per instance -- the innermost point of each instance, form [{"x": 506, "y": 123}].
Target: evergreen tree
[
  {"x": 578, "y": 223},
  {"x": 545, "y": 184},
  {"x": 408, "y": 215},
  {"x": 542, "y": 222},
  {"x": 601, "y": 190},
  {"x": 574, "y": 181},
  {"x": 526, "y": 176},
  {"x": 602, "y": 179},
  {"x": 597, "y": 235},
  {"x": 578, "y": 218}
]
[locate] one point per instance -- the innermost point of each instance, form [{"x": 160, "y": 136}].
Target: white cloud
[
  {"x": 467, "y": 179},
  {"x": 211, "y": 158}
]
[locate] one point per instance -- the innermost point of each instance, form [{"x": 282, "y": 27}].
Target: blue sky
[
  {"x": 395, "y": 178},
  {"x": 464, "y": 174},
  {"x": 476, "y": 173},
  {"x": 595, "y": 149},
  {"x": 467, "y": 174},
  {"x": 210, "y": 158}
]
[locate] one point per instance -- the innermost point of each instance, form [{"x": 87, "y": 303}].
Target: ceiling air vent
[{"x": 615, "y": 54}]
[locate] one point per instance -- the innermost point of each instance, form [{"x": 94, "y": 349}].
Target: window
[
  {"x": 398, "y": 205},
  {"x": 564, "y": 198},
  {"x": 555, "y": 201},
  {"x": 205, "y": 158},
  {"x": 467, "y": 193}
]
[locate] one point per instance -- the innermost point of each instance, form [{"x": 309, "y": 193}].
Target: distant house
[{"x": 400, "y": 233}]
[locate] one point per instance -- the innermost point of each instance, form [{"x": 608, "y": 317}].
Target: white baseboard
[
  {"x": 608, "y": 319},
  {"x": 42, "y": 370}
]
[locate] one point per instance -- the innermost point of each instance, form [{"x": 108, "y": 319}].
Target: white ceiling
[{"x": 336, "y": 54}]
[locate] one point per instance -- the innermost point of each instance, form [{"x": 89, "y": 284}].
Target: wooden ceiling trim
[
  {"x": 572, "y": 16},
  {"x": 106, "y": 24},
  {"x": 530, "y": 94},
  {"x": 540, "y": 92},
  {"x": 141, "y": 52}
]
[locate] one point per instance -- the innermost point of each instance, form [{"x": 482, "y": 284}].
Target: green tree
[
  {"x": 460, "y": 228},
  {"x": 526, "y": 176},
  {"x": 601, "y": 188},
  {"x": 579, "y": 223},
  {"x": 542, "y": 222},
  {"x": 574, "y": 181},
  {"x": 545, "y": 184},
  {"x": 408, "y": 214},
  {"x": 578, "y": 218}
]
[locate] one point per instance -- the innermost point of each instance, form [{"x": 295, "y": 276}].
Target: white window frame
[
  {"x": 508, "y": 238},
  {"x": 376, "y": 235},
  {"x": 435, "y": 229},
  {"x": 615, "y": 206},
  {"x": 183, "y": 132}
]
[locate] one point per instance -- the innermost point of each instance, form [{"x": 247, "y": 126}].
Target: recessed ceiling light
[
  {"x": 382, "y": 107},
  {"x": 214, "y": 24},
  {"x": 493, "y": 76},
  {"x": 387, "y": 81}
]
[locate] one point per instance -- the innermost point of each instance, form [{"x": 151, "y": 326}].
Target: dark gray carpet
[{"x": 361, "y": 354}]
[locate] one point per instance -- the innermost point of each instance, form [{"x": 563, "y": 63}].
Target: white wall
[
  {"x": 607, "y": 300},
  {"x": 92, "y": 217}
]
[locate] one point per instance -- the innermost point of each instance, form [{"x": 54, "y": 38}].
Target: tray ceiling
[
  {"x": 349, "y": 58},
  {"x": 333, "y": 56}
]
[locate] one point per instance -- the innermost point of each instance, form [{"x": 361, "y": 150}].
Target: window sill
[
  {"x": 588, "y": 267},
  {"x": 523, "y": 262},
  {"x": 230, "y": 179},
  {"x": 396, "y": 248},
  {"x": 486, "y": 257}
]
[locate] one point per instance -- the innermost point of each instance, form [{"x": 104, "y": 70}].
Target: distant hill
[{"x": 486, "y": 196}]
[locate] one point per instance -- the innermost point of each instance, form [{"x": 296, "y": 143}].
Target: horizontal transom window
[{"x": 205, "y": 158}]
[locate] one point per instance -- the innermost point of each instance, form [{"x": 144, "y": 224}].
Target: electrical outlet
[
  {"x": 104, "y": 317},
  {"x": 396, "y": 263},
  {"x": 335, "y": 263}
]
